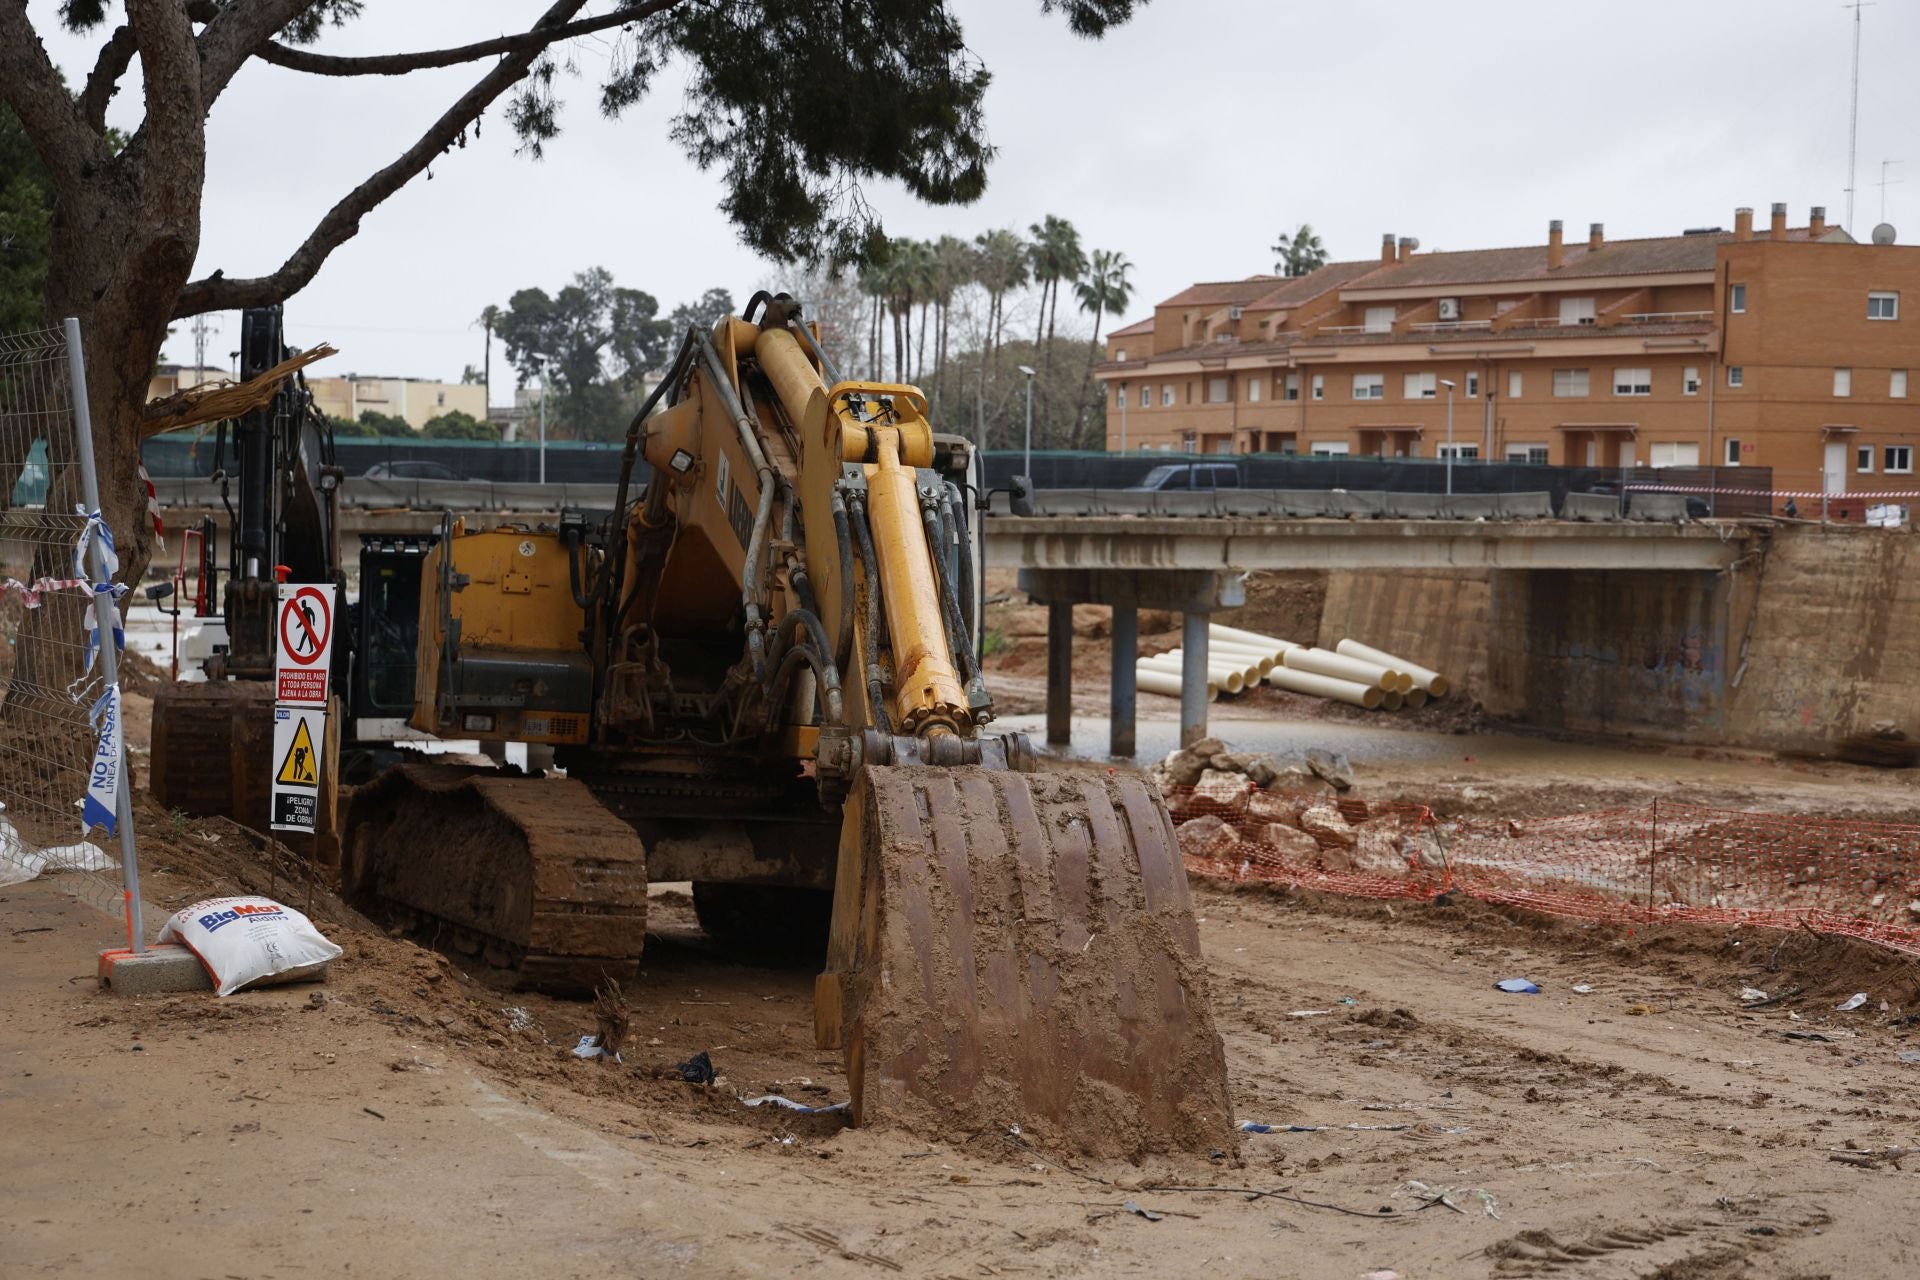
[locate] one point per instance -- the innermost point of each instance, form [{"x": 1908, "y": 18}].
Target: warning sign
[
  {"x": 305, "y": 643},
  {"x": 298, "y": 733}
]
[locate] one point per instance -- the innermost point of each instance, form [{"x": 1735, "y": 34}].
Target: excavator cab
[{"x": 766, "y": 663}]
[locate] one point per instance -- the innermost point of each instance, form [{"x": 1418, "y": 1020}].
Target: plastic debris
[
  {"x": 1518, "y": 987},
  {"x": 1583, "y": 988},
  {"x": 789, "y": 1104},
  {"x": 589, "y": 1047},
  {"x": 1851, "y": 1003},
  {"x": 1251, "y": 1126},
  {"x": 1347, "y": 1000},
  {"x": 1381, "y": 1275},
  {"x": 1134, "y": 1208},
  {"x": 1910, "y": 1055},
  {"x": 698, "y": 1069},
  {"x": 1751, "y": 994},
  {"x": 1309, "y": 1013}
]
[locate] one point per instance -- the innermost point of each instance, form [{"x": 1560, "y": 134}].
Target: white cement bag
[{"x": 247, "y": 942}]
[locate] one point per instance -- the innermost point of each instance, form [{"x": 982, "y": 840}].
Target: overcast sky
[{"x": 1185, "y": 139}]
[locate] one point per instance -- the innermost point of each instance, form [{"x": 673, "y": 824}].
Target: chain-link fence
[{"x": 64, "y": 792}]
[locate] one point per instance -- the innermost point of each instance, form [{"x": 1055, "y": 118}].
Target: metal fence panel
[{"x": 51, "y": 687}]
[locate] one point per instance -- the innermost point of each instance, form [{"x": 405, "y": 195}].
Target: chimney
[
  {"x": 1817, "y": 224},
  {"x": 1778, "y": 229},
  {"x": 1556, "y": 247},
  {"x": 1386, "y": 247},
  {"x": 1406, "y": 247},
  {"x": 1743, "y": 223},
  {"x": 1596, "y": 236}
]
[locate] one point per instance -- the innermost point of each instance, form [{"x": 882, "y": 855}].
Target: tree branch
[
  {"x": 342, "y": 222},
  {"x": 170, "y": 78},
  {"x": 235, "y": 34},
  {"x": 116, "y": 55},
  {"x": 30, "y": 85},
  {"x": 395, "y": 64}
]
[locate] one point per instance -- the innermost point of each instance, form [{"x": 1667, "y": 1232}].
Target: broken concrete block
[
  {"x": 1207, "y": 836},
  {"x": 1262, "y": 770},
  {"x": 1426, "y": 851},
  {"x": 1185, "y": 767},
  {"x": 1227, "y": 790},
  {"x": 162, "y": 969},
  {"x": 1324, "y": 823},
  {"x": 1291, "y": 843},
  {"x": 1332, "y": 766},
  {"x": 1207, "y": 748},
  {"x": 1264, "y": 806},
  {"x": 1377, "y": 852}
]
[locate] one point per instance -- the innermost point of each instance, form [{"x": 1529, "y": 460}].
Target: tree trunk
[
  {"x": 1080, "y": 401},
  {"x": 920, "y": 356}
]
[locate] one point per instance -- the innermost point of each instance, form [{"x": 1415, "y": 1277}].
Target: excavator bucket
[{"x": 1015, "y": 954}]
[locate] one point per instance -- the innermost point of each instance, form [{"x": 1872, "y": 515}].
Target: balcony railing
[
  {"x": 1450, "y": 326},
  {"x": 1666, "y": 317}
]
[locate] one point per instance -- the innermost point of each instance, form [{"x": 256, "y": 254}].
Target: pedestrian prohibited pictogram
[
  {"x": 299, "y": 737},
  {"x": 298, "y": 768},
  {"x": 304, "y": 648}
]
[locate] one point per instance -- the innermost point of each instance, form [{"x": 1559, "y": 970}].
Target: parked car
[
  {"x": 1190, "y": 475},
  {"x": 413, "y": 471}
]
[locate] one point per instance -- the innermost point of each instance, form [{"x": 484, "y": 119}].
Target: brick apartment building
[{"x": 1788, "y": 347}]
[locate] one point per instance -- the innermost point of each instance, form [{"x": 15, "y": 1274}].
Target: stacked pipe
[{"x": 1358, "y": 674}]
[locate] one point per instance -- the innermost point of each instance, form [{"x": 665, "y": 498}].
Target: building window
[
  {"x": 1120, "y": 355},
  {"x": 1189, "y": 395},
  {"x": 1459, "y": 451},
  {"x": 440, "y": 399},
  {"x": 1417, "y": 386},
  {"x": 1146, "y": 395},
  {"x": 1690, "y": 381},
  {"x": 1380, "y": 319},
  {"x": 1674, "y": 455},
  {"x": 1120, "y": 395},
  {"x": 1897, "y": 384},
  {"x": 1736, "y": 376},
  {"x": 1883, "y": 306},
  {"x": 1319, "y": 386},
  {"x": 1842, "y": 383},
  {"x": 1514, "y": 383},
  {"x": 1633, "y": 382},
  {"x": 1533, "y": 453},
  {"x": 1253, "y": 390},
  {"x": 1899, "y": 460},
  {"x": 1737, "y": 298},
  {"x": 1166, "y": 395},
  {"x": 1473, "y": 385},
  {"x": 1569, "y": 382},
  {"x": 1369, "y": 386},
  {"x": 1329, "y": 448},
  {"x": 1863, "y": 458},
  {"x": 1293, "y": 386},
  {"x": 1576, "y": 311},
  {"x": 1732, "y": 455},
  {"x": 1223, "y": 445},
  {"x": 1219, "y": 390}
]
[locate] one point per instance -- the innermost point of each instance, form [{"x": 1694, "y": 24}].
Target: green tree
[
  {"x": 1299, "y": 253},
  {"x": 713, "y": 304},
  {"x": 383, "y": 424},
  {"x": 459, "y": 425},
  {"x": 1057, "y": 259},
  {"x": 1106, "y": 290},
  {"x": 954, "y": 267},
  {"x": 26, "y": 225},
  {"x": 589, "y": 341},
  {"x": 792, "y": 158},
  {"x": 1001, "y": 267},
  {"x": 347, "y": 428}
]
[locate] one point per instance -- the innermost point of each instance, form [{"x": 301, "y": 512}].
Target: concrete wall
[{"x": 1814, "y": 638}]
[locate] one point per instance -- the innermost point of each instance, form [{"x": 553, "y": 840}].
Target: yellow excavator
[{"x": 759, "y": 673}]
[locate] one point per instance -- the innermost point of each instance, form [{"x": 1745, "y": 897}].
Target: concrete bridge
[{"x": 1195, "y": 566}]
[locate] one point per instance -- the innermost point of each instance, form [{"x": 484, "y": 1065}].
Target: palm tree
[
  {"x": 1057, "y": 257},
  {"x": 873, "y": 283},
  {"x": 1002, "y": 267},
  {"x": 489, "y": 320},
  {"x": 1104, "y": 290},
  {"x": 1300, "y": 252},
  {"x": 955, "y": 265}
]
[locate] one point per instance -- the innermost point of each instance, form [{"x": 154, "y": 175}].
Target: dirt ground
[{"x": 407, "y": 1119}]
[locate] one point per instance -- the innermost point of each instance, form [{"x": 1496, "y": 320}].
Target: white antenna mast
[{"x": 1853, "y": 112}]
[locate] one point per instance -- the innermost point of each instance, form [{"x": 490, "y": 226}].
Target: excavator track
[
  {"x": 1023, "y": 963},
  {"x": 533, "y": 874}
]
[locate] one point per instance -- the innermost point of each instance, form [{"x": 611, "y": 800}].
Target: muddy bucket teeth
[{"x": 1018, "y": 955}]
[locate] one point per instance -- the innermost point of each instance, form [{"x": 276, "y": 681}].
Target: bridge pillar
[{"x": 1194, "y": 593}]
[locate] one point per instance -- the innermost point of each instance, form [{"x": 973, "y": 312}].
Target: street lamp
[
  {"x": 1449, "y": 387},
  {"x": 1029, "y": 372}
]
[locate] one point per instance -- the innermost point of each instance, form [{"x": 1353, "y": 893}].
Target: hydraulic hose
[
  {"x": 843, "y": 536},
  {"x": 949, "y": 606},
  {"x": 963, "y": 559},
  {"x": 870, "y": 650}
]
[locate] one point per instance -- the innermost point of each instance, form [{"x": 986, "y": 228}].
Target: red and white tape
[
  {"x": 153, "y": 508},
  {"x": 1773, "y": 493},
  {"x": 31, "y": 593}
]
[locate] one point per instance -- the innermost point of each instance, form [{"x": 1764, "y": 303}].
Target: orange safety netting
[{"x": 1661, "y": 862}]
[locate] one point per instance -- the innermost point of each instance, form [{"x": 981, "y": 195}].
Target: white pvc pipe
[
  {"x": 1251, "y": 657},
  {"x": 1320, "y": 662},
  {"x": 1360, "y": 695},
  {"x": 1227, "y": 679},
  {"x": 1242, "y": 665},
  {"x": 1220, "y": 632},
  {"x": 1148, "y": 680},
  {"x": 1391, "y": 700},
  {"x": 1416, "y": 699},
  {"x": 1432, "y": 681}
]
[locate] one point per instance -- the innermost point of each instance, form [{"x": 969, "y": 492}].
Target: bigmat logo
[{"x": 214, "y": 920}]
